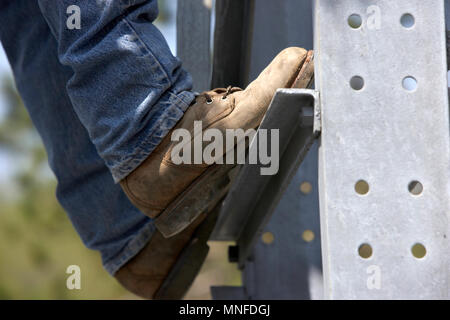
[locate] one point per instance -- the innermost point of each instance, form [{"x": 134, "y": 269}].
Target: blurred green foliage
[{"x": 165, "y": 12}]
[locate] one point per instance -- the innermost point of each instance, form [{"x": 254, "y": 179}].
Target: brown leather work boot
[
  {"x": 158, "y": 181},
  {"x": 166, "y": 268}
]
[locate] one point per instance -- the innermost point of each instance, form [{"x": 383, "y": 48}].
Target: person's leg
[
  {"x": 129, "y": 92},
  {"x": 127, "y": 88},
  {"x": 97, "y": 207}
]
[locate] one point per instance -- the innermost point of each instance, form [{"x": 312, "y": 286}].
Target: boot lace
[{"x": 225, "y": 92}]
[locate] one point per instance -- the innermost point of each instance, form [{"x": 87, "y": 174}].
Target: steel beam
[
  {"x": 385, "y": 151},
  {"x": 193, "y": 41},
  {"x": 280, "y": 248}
]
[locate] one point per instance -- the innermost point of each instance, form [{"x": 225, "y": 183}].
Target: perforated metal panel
[{"x": 392, "y": 138}]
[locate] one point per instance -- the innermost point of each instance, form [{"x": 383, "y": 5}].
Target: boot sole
[{"x": 199, "y": 198}]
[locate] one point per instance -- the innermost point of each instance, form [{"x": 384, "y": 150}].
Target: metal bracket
[{"x": 253, "y": 197}]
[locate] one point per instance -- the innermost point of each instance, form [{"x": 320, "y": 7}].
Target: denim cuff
[
  {"x": 133, "y": 247},
  {"x": 177, "y": 106}
]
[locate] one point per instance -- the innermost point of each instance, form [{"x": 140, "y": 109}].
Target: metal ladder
[{"x": 380, "y": 171}]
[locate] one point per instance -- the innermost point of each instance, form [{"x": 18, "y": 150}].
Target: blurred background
[{"x": 37, "y": 240}]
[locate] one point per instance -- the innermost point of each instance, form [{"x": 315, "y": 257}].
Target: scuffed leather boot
[
  {"x": 165, "y": 268},
  {"x": 157, "y": 182}
]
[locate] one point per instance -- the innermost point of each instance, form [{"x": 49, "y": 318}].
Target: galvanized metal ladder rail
[{"x": 383, "y": 160}]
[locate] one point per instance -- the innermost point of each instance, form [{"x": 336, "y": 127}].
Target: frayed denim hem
[
  {"x": 168, "y": 120},
  {"x": 132, "y": 248}
]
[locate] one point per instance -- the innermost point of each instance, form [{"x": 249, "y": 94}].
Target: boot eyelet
[{"x": 209, "y": 101}]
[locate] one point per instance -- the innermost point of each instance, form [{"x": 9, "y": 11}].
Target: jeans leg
[
  {"x": 97, "y": 207},
  {"x": 127, "y": 88}
]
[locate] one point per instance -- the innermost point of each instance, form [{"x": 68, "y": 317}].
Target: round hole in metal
[
  {"x": 418, "y": 250},
  {"x": 415, "y": 188},
  {"x": 407, "y": 20},
  {"x": 357, "y": 83},
  {"x": 308, "y": 236},
  {"x": 267, "y": 238},
  {"x": 365, "y": 251},
  {"x": 306, "y": 187},
  {"x": 362, "y": 187},
  {"x": 409, "y": 83},
  {"x": 354, "y": 21}
]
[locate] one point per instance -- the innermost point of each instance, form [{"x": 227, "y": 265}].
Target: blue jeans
[{"x": 102, "y": 98}]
